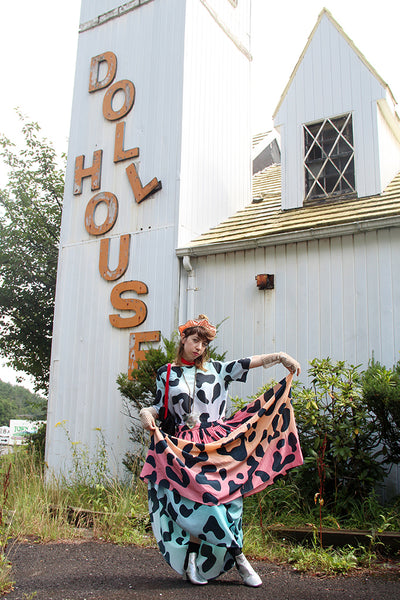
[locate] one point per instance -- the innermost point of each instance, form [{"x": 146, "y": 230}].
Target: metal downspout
[{"x": 190, "y": 289}]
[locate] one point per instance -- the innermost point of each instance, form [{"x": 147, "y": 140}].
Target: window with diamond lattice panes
[{"x": 329, "y": 158}]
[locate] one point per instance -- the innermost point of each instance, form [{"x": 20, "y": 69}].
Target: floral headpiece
[{"x": 204, "y": 323}]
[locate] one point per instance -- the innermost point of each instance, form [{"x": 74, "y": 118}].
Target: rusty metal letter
[
  {"x": 119, "y": 152},
  {"x": 111, "y": 60},
  {"x": 123, "y": 260},
  {"x": 139, "y": 191},
  {"x": 137, "y": 306},
  {"x": 135, "y": 353},
  {"x": 112, "y": 212},
  {"x": 128, "y": 89},
  {"x": 94, "y": 172}
]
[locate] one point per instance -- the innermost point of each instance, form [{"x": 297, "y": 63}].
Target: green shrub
[
  {"x": 381, "y": 391},
  {"x": 339, "y": 439}
]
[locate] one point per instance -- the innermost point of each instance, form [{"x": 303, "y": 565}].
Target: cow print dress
[{"x": 198, "y": 478}]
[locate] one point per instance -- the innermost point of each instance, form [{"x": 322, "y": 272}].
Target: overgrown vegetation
[
  {"x": 16, "y": 402},
  {"x": 345, "y": 456},
  {"x": 339, "y": 432},
  {"x": 341, "y": 442}
]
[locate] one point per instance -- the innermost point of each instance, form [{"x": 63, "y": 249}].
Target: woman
[{"x": 198, "y": 477}]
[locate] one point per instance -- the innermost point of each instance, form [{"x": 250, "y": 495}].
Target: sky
[{"x": 38, "y": 44}]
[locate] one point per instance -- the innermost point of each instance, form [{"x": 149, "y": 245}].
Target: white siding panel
[
  {"x": 300, "y": 285},
  {"x": 386, "y": 296},
  {"x": 373, "y": 295},
  {"x": 326, "y": 284},
  {"x": 337, "y": 297},
  {"x": 337, "y": 332},
  {"x": 215, "y": 171},
  {"x": 349, "y": 309},
  {"x": 394, "y": 262},
  {"x": 389, "y": 151},
  {"x": 361, "y": 299},
  {"x": 313, "y": 300}
]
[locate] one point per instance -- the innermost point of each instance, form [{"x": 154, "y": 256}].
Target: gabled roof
[
  {"x": 326, "y": 13},
  {"x": 264, "y": 223}
]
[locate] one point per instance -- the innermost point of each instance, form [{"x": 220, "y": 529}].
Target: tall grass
[
  {"x": 67, "y": 508},
  {"x": 47, "y": 509}
]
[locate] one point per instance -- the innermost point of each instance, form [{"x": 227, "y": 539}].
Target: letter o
[
  {"x": 112, "y": 213},
  {"x": 129, "y": 91}
]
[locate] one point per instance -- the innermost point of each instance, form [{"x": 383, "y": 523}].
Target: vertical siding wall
[
  {"x": 331, "y": 80},
  {"x": 170, "y": 80},
  {"x": 337, "y": 297},
  {"x": 389, "y": 143},
  {"x": 88, "y": 352},
  {"x": 216, "y": 141}
]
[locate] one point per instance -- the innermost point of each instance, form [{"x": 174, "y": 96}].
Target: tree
[
  {"x": 16, "y": 402},
  {"x": 7, "y": 411},
  {"x": 30, "y": 217}
]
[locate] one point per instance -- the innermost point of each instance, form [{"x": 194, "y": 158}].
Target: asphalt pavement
[{"x": 96, "y": 570}]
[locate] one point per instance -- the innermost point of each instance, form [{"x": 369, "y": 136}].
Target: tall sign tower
[{"x": 159, "y": 152}]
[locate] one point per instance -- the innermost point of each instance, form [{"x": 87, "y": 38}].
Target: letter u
[{"x": 123, "y": 261}]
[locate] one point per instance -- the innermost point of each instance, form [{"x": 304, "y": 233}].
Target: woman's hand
[
  {"x": 148, "y": 416},
  {"x": 290, "y": 363},
  {"x": 269, "y": 360}
]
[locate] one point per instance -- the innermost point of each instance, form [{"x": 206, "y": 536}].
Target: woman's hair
[{"x": 203, "y": 335}]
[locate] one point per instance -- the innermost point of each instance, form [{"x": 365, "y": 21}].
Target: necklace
[{"x": 192, "y": 418}]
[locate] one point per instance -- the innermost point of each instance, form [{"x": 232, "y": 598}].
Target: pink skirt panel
[{"x": 214, "y": 464}]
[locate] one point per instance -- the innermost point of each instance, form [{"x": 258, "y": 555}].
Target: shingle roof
[
  {"x": 259, "y": 137},
  {"x": 263, "y": 222}
]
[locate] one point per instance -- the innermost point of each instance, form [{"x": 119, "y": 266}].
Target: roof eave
[{"x": 290, "y": 237}]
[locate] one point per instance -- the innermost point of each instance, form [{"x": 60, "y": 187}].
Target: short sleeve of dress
[
  {"x": 235, "y": 370},
  {"x": 160, "y": 388}
]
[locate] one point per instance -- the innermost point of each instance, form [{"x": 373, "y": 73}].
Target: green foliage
[
  {"x": 36, "y": 442},
  {"x": 141, "y": 391},
  {"x": 30, "y": 217},
  {"x": 340, "y": 441},
  {"x": 56, "y": 509},
  {"x": 16, "y": 402},
  {"x": 381, "y": 391},
  {"x": 7, "y": 411}
]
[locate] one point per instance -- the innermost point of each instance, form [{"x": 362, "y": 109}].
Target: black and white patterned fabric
[{"x": 210, "y": 389}]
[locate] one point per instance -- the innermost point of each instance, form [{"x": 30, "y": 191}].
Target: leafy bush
[
  {"x": 339, "y": 439},
  {"x": 36, "y": 442},
  {"x": 381, "y": 391}
]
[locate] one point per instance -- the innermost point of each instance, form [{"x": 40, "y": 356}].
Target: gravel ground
[{"x": 96, "y": 570}]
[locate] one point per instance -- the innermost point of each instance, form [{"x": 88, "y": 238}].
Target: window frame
[{"x": 331, "y": 165}]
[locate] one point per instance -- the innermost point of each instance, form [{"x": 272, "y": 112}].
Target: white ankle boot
[
  {"x": 246, "y": 571},
  {"x": 192, "y": 572}
]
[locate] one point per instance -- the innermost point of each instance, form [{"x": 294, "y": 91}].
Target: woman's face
[{"x": 193, "y": 347}]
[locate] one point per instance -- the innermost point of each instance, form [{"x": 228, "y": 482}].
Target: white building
[
  {"x": 324, "y": 223},
  {"x": 159, "y": 151}
]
